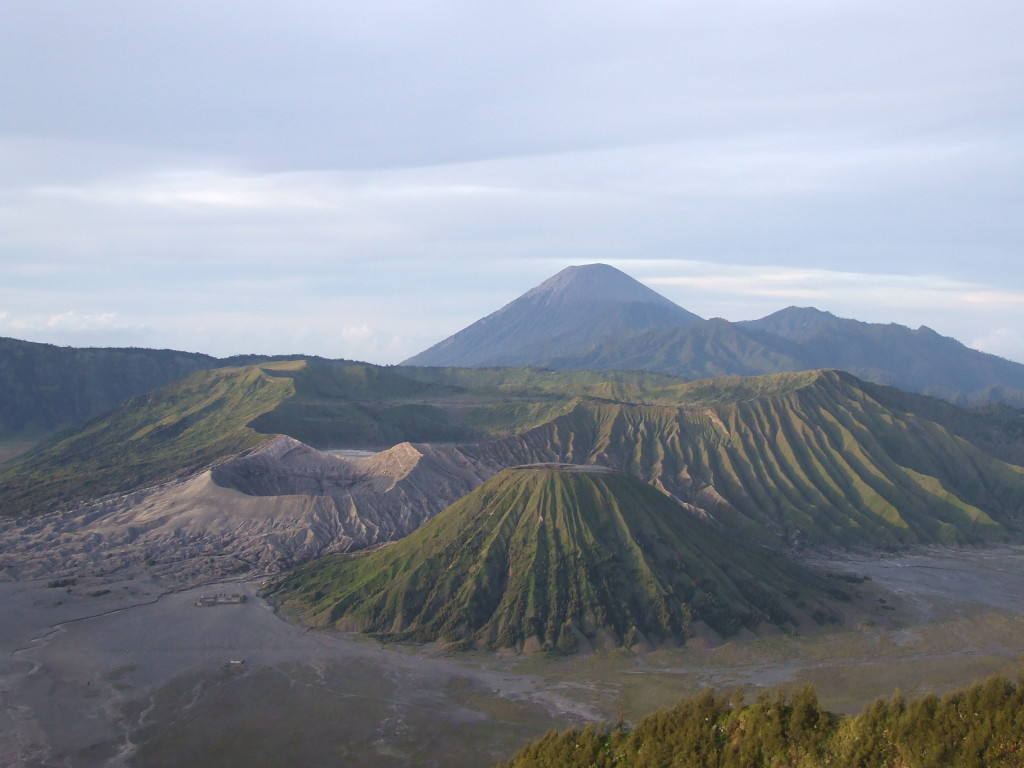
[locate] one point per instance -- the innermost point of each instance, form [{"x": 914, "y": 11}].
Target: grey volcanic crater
[{"x": 264, "y": 511}]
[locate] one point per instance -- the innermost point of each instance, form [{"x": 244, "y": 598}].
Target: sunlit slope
[
  {"x": 168, "y": 432},
  {"x": 812, "y": 458},
  {"x": 46, "y": 387},
  {"x": 214, "y": 414},
  {"x": 552, "y": 558}
]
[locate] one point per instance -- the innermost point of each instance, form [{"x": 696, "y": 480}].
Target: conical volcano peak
[
  {"x": 550, "y": 557},
  {"x": 595, "y": 284},
  {"x": 575, "y": 308}
]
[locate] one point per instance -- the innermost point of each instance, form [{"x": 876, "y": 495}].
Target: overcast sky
[{"x": 361, "y": 180}]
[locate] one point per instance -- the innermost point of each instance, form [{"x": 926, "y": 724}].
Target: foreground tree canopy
[{"x": 981, "y": 727}]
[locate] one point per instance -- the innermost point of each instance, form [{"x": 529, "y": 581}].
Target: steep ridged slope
[
  {"x": 217, "y": 414},
  {"x": 824, "y": 459},
  {"x": 551, "y": 557}
]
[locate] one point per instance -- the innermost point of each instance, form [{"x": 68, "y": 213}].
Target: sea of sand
[{"x": 133, "y": 673}]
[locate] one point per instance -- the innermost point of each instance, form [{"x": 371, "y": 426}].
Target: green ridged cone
[{"x": 556, "y": 558}]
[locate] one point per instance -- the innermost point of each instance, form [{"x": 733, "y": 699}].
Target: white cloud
[
  {"x": 89, "y": 321},
  {"x": 1005, "y": 342},
  {"x": 795, "y": 284},
  {"x": 438, "y": 160}
]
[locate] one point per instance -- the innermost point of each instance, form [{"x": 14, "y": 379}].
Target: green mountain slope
[
  {"x": 549, "y": 557},
  {"x": 214, "y": 414},
  {"x": 153, "y": 437},
  {"x": 46, "y": 387},
  {"x": 815, "y": 458}
]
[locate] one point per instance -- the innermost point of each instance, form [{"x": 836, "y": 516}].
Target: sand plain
[{"x": 102, "y": 672}]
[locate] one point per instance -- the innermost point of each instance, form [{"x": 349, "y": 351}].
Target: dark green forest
[{"x": 980, "y": 727}]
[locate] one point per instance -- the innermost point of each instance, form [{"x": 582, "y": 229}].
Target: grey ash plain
[{"x": 129, "y": 672}]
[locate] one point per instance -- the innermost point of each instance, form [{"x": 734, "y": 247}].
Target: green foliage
[
  {"x": 151, "y": 438},
  {"x": 46, "y": 387},
  {"x": 816, "y": 458},
  {"x": 981, "y": 727},
  {"x": 805, "y": 459},
  {"x": 541, "y": 557}
]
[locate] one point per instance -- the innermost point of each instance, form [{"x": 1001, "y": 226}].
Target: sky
[{"x": 360, "y": 180}]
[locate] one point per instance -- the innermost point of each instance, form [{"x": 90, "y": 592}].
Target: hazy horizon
[{"x": 361, "y": 182}]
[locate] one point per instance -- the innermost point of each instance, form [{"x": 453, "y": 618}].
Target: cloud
[
  {"x": 1005, "y": 342},
  {"x": 90, "y": 321},
  {"x": 358, "y": 333},
  {"x": 197, "y": 189},
  {"x": 438, "y": 159},
  {"x": 794, "y": 284}
]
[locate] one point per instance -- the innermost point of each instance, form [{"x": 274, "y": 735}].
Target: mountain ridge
[
  {"x": 815, "y": 458},
  {"x": 791, "y": 339},
  {"x": 566, "y": 310}
]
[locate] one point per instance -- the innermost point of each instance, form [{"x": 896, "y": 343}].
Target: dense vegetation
[
  {"x": 981, "y": 727},
  {"x": 327, "y": 404},
  {"x": 548, "y": 558},
  {"x": 811, "y": 458}
]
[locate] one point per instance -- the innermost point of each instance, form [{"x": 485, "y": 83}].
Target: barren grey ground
[{"x": 139, "y": 677}]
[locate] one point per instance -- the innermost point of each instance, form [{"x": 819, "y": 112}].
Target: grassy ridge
[
  {"x": 212, "y": 414},
  {"x": 546, "y": 557},
  {"x": 812, "y": 458},
  {"x": 46, "y": 387},
  {"x": 171, "y": 431}
]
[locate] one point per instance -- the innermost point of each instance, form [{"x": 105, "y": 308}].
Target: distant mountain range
[
  {"x": 597, "y": 318},
  {"x": 591, "y": 317},
  {"x": 630, "y": 488}
]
